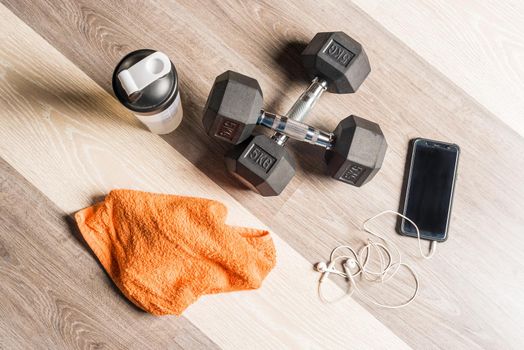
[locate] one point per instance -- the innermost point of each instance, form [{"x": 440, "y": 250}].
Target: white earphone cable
[{"x": 359, "y": 261}]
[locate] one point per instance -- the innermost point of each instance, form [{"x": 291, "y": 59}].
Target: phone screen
[{"x": 429, "y": 190}]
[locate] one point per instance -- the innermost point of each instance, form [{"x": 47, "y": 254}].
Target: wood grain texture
[
  {"x": 479, "y": 45},
  {"x": 468, "y": 299},
  {"x": 60, "y": 298},
  {"x": 83, "y": 140}
]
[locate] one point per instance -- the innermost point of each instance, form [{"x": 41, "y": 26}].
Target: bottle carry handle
[{"x": 144, "y": 72}]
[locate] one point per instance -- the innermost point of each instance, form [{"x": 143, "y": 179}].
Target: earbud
[
  {"x": 357, "y": 263},
  {"x": 351, "y": 263},
  {"x": 321, "y": 266},
  {"x": 326, "y": 270}
]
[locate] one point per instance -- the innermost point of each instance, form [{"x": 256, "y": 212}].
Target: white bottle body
[{"x": 166, "y": 121}]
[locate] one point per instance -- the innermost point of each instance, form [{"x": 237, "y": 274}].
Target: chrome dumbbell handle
[
  {"x": 291, "y": 128},
  {"x": 302, "y": 106}
]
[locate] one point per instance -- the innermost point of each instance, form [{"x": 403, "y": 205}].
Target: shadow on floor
[
  {"x": 190, "y": 140},
  {"x": 75, "y": 232}
]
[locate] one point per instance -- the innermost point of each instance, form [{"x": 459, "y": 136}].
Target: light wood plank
[
  {"x": 478, "y": 45},
  {"x": 461, "y": 303},
  {"x": 60, "y": 298},
  {"x": 80, "y": 138}
]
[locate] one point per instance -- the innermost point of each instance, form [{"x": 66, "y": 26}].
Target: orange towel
[{"x": 165, "y": 251}]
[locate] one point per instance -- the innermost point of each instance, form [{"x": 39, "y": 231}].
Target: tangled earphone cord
[{"x": 356, "y": 264}]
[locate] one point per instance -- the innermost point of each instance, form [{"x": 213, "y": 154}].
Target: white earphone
[{"x": 356, "y": 264}]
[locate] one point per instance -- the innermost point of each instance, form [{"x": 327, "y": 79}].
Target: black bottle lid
[{"x": 152, "y": 99}]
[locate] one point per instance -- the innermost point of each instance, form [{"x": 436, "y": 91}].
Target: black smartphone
[{"x": 429, "y": 186}]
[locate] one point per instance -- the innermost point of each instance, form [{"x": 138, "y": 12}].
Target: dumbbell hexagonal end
[
  {"x": 337, "y": 58},
  {"x": 233, "y": 107},
  {"x": 262, "y": 165},
  {"x": 360, "y": 147}
]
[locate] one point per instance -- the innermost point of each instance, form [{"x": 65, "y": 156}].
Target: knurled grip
[
  {"x": 303, "y": 106},
  {"x": 296, "y": 130}
]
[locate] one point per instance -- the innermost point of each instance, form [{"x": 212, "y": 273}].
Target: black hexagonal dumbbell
[
  {"x": 354, "y": 153},
  {"x": 233, "y": 109},
  {"x": 338, "y": 59},
  {"x": 261, "y": 164},
  {"x": 354, "y": 150},
  {"x": 334, "y": 60}
]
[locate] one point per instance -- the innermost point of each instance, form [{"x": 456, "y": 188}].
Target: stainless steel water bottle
[{"x": 146, "y": 82}]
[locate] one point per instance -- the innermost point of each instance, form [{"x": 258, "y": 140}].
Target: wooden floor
[
  {"x": 65, "y": 141},
  {"x": 478, "y": 45}
]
